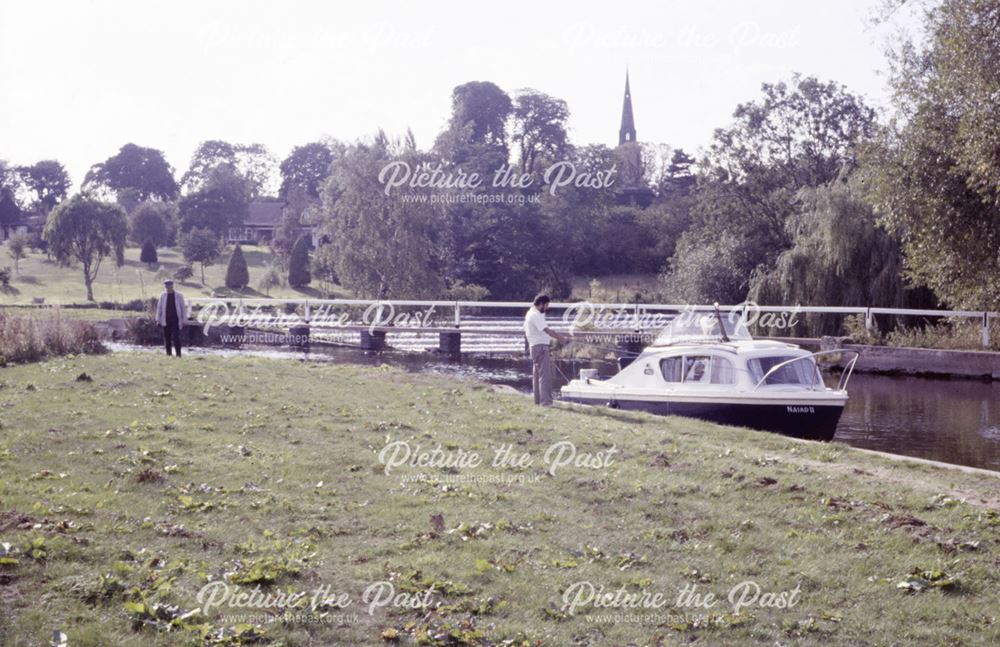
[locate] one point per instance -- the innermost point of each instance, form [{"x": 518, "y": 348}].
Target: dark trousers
[{"x": 172, "y": 335}]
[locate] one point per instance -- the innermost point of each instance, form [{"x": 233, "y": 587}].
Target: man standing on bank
[
  {"x": 170, "y": 313},
  {"x": 538, "y": 333}
]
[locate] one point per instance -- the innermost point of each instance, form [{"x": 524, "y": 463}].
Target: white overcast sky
[{"x": 80, "y": 78}]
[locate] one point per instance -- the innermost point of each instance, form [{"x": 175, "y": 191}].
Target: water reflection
[{"x": 956, "y": 421}]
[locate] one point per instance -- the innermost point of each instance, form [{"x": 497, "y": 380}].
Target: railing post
[
  {"x": 306, "y": 312},
  {"x": 986, "y": 330},
  {"x": 868, "y": 319},
  {"x": 458, "y": 315}
]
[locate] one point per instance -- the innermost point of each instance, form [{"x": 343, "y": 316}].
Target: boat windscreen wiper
[{"x": 722, "y": 326}]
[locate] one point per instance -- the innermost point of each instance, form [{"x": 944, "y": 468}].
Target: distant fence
[{"x": 622, "y": 310}]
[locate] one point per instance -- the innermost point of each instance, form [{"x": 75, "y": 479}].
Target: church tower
[
  {"x": 632, "y": 189},
  {"x": 626, "y": 133}
]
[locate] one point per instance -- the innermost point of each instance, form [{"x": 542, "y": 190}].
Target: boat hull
[{"x": 811, "y": 422}]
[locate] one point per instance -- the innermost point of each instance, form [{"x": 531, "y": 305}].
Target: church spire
[{"x": 627, "y": 132}]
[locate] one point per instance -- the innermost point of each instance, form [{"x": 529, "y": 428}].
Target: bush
[
  {"x": 183, "y": 273},
  {"x": 27, "y": 339},
  {"x": 854, "y": 326},
  {"x": 949, "y": 334},
  {"x": 5, "y": 277},
  {"x": 298, "y": 265},
  {"x": 143, "y": 330},
  {"x": 466, "y": 292},
  {"x": 36, "y": 242},
  {"x": 237, "y": 273},
  {"x": 148, "y": 253}
]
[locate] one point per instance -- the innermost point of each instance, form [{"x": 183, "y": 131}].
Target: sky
[{"x": 80, "y": 78}]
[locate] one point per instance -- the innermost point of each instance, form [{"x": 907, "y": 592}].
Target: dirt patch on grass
[
  {"x": 14, "y": 520},
  {"x": 917, "y": 481}
]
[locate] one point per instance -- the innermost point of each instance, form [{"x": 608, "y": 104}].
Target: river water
[{"x": 955, "y": 421}]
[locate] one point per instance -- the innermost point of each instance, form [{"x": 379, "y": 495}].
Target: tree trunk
[
  {"x": 88, "y": 279},
  {"x": 202, "y": 273}
]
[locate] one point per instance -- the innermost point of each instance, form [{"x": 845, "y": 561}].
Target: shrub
[
  {"x": 237, "y": 273},
  {"x": 143, "y": 330},
  {"x": 183, "y": 273},
  {"x": 298, "y": 265},
  {"x": 466, "y": 292},
  {"x": 27, "y": 339},
  {"x": 949, "y": 334},
  {"x": 148, "y": 254},
  {"x": 854, "y": 326},
  {"x": 5, "y": 277},
  {"x": 36, "y": 242}
]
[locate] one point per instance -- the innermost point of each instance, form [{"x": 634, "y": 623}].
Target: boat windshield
[
  {"x": 801, "y": 373},
  {"x": 702, "y": 326}
]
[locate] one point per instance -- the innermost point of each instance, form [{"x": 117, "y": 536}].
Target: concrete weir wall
[{"x": 917, "y": 361}]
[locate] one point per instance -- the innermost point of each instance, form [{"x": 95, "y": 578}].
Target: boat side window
[
  {"x": 671, "y": 369},
  {"x": 723, "y": 371},
  {"x": 696, "y": 369},
  {"x": 802, "y": 372}
]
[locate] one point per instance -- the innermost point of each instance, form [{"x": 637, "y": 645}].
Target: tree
[
  {"x": 48, "y": 181},
  {"x": 219, "y": 204},
  {"x": 237, "y": 274},
  {"x": 539, "y": 127},
  {"x": 679, "y": 178},
  {"x": 148, "y": 254},
  {"x": 305, "y": 169},
  {"x": 200, "y": 245},
  {"x": 86, "y": 230},
  {"x": 288, "y": 231},
  {"x": 143, "y": 172},
  {"x": 485, "y": 107},
  {"x": 253, "y": 163},
  {"x": 154, "y": 222},
  {"x": 839, "y": 257},
  {"x": 934, "y": 175},
  {"x": 384, "y": 245},
  {"x": 10, "y": 213},
  {"x": 799, "y": 135},
  {"x": 477, "y": 130},
  {"x": 803, "y": 132},
  {"x": 271, "y": 278},
  {"x": 324, "y": 266},
  {"x": 298, "y": 264},
  {"x": 17, "y": 249}
]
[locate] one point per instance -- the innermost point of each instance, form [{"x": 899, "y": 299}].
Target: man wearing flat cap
[{"x": 170, "y": 314}]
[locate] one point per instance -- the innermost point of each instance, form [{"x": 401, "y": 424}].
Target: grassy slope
[
  {"x": 250, "y": 440},
  {"x": 39, "y": 277}
]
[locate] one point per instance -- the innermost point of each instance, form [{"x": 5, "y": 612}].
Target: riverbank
[{"x": 128, "y": 483}]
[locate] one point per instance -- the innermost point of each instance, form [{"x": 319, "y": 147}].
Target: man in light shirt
[{"x": 538, "y": 333}]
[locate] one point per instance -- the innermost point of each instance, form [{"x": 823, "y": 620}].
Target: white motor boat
[{"x": 704, "y": 366}]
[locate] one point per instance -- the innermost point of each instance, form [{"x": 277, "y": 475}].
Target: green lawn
[
  {"x": 41, "y": 277},
  {"x": 128, "y": 482}
]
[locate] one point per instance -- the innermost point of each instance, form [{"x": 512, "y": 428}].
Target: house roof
[{"x": 263, "y": 214}]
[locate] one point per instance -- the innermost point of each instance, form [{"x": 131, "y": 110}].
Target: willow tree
[
  {"x": 839, "y": 257},
  {"x": 85, "y": 230},
  {"x": 384, "y": 241}
]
